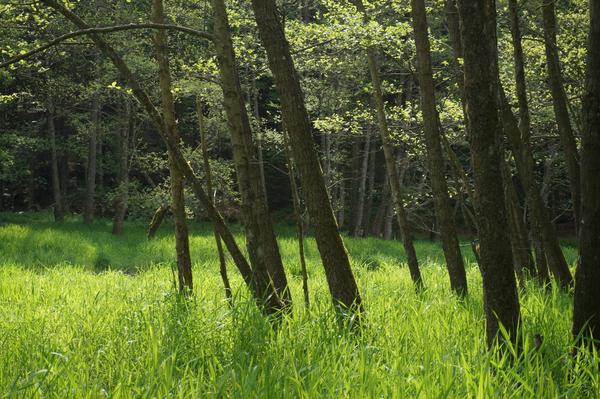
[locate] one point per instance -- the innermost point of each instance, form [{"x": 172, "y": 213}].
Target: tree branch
[{"x": 105, "y": 29}]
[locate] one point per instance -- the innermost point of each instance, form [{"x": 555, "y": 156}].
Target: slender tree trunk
[
  {"x": 59, "y": 213},
  {"x": 521, "y": 148},
  {"x": 370, "y": 189},
  {"x": 478, "y": 32},
  {"x": 260, "y": 236},
  {"x": 342, "y": 285},
  {"x": 586, "y": 313},
  {"x": 297, "y": 218},
  {"x": 209, "y": 189},
  {"x": 377, "y": 227},
  {"x": 388, "y": 151},
  {"x": 259, "y": 139},
  {"x": 184, "y": 262},
  {"x": 559, "y": 101},
  {"x": 90, "y": 181},
  {"x": 123, "y": 188},
  {"x": 341, "y": 201},
  {"x": 519, "y": 241},
  {"x": 362, "y": 187},
  {"x": 437, "y": 166}
]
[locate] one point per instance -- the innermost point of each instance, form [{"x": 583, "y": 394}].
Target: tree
[
  {"x": 342, "y": 285},
  {"x": 437, "y": 166},
  {"x": 390, "y": 160},
  {"x": 586, "y": 311},
  {"x": 126, "y": 132},
  {"x": 56, "y": 190},
  {"x": 559, "y": 102},
  {"x": 260, "y": 237},
  {"x": 182, "y": 245},
  {"x": 478, "y": 32}
]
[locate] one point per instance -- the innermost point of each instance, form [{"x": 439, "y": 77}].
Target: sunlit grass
[{"x": 86, "y": 314}]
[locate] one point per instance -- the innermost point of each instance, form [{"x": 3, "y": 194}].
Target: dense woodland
[{"x": 471, "y": 123}]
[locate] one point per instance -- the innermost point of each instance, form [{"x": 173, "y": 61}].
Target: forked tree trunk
[
  {"x": 478, "y": 32},
  {"x": 209, "y": 189},
  {"x": 390, "y": 161},
  {"x": 435, "y": 158},
  {"x": 340, "y": 279},
  {"x": 123, "y": 188},
  {"x": 260, "y": 236},
  {"x": 182, "y": 246},
  {"x": 90, "y": 180},
  {"x": 586, "y": 313},
  {"x": 559, "y": 102},
  {"x": 59, "y": 213}
]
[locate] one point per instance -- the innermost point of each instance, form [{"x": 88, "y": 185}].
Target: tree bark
[
  {"x": 90, "y": 180},
  {"x": 342, "y": 285},
  {"x": 559, "y": 102},
  {"x": 157, "y": 219},
  {"x": 435, "y": 157},
  {"x": 209, "y": 189},
  {"x": 59, "y": 213},
  {"x": 123, "y": 188},
  {"x": 478, "y": 32},
  {"x": 182, "y": 246},
  {"x": 586, "y": 313},
  {"x": 390, "y": 162},
  {"x": 260, "y": 236}
]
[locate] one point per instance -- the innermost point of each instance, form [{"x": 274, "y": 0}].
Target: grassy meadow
[{"x": 87, "y": 314}]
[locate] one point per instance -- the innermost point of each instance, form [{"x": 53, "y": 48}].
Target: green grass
[{"x": 86, "y": 314}]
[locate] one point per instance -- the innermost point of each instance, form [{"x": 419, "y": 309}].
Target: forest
[{"x": 300, "y": 198}]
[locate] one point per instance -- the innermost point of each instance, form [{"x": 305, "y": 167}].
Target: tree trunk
[
  {"x": 521, "y": 148},
  {"x": 184, "y": 262},
  {"x": 433, "y": 146},
  {"x": 370, "y": 189},
  {"x": 519, "y": 240},
  {"x": 209, "y": 189},
  {"x": 339, "y": 275},
  {"x": 90, "y": 181},
  {"x": 123, "y": 188},
  {"x": 59, "y": 212},
  {"x": 377, "y": 227},
  {"x": 157, "y": 219},
  {"x": 362, "y": 187},
  {"x": 559, "y": 102},
  {"x": 586, "y": 313},
  {"x": 478, "y": 32},
  {"x": 260, "y": 237},
  {"x": 388, "y": 151},
  {"x": 297, "y": 218}
]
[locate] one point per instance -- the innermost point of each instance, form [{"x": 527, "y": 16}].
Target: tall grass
[{"x": 86, "y": 314}]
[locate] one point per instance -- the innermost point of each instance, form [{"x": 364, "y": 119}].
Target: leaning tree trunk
[
  {"x": 90, "y": 180},
  {"x": 342, "y": 284},
  {"x": 182, "y": 246},
  {"x": 390, "y": 160},
  {"x": 260, "y": 236},
  {"x": 586, "y": 313},
  {"x": 478, "y": 32},
  {"x": 209, "y": 189},
  {"x": 435, "y": 157},
  {"x": 559, "y": 102},
  {"x": 59, "y": 213},
  {"x": 123, "y": 188}
]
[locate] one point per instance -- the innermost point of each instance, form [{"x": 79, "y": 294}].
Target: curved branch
[{"x": 106, "y": 29}]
